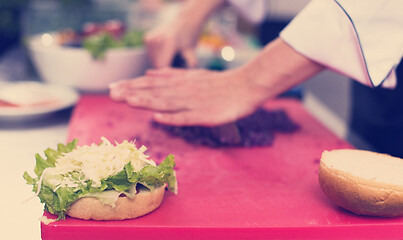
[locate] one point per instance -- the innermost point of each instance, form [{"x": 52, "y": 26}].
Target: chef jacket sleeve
[
  {"x": 252, "y": 10},
  {"x": 362, "y": 40}
]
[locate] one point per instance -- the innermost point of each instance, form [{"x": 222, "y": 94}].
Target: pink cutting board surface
[{"x": 225, "y": 193}]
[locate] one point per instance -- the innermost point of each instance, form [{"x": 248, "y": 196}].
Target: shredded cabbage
[{"x": 97, "y": 162}]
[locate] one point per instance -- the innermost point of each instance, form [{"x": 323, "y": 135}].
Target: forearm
[
  {"x": 198, "y": 11},
  {"x": 279, "y": 67}
]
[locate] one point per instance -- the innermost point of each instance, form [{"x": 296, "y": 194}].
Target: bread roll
[
  {"x": 91, "y": 208},
  {"x": 363, "y": 182}
]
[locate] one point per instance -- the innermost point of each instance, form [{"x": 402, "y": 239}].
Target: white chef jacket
[{"x": 360, "y": 39}]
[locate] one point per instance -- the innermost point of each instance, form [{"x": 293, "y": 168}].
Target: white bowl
[{"x": 76, "y": 67}]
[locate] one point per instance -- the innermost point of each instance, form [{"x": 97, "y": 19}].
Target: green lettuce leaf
[
  {"x": 30, "y": 180},
  {"x": 167, "y": 173},
  {"x": 41, "y": 164},
  {"x": 68, "y": 147}
]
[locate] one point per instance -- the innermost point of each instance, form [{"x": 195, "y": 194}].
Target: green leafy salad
[
  {"x": 104, "y": 171},
  {"x": 99, "y": 44}
]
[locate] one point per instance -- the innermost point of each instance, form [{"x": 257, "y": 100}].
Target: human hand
[
  {"x": 192, "y": 97},
  {"x": 210, "y": 98},
  {"x": 178, "y": 37}
]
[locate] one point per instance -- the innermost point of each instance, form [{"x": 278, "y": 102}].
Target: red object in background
[
  {"x": 114, "y": 27},
  {"x": 225, "y": 193},
  {"x": 90, "y": 28}
]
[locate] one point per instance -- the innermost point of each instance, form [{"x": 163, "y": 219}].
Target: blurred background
[{"x": 326, "y": 96}]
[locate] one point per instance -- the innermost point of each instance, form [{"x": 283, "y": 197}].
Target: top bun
[{"x": 363, "y": 182}]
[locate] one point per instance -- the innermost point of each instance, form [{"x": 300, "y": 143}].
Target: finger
[
  {"x": 186, "y": 118},
  {"x": 143, "y": 82},
  {"x": 190, "y": 57},
  {"x": 165, "y": 104},
  {"x": 117, "y": 94},
  {"x": 118, "y": 84},
  {"x": 118, "y": 91},
  {"x": 165, "y": 72}
]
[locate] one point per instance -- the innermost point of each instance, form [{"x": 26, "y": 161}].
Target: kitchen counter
[{"x": 19, "y": 142}]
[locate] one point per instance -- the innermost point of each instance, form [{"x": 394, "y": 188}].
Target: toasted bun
[
  {"x": 363, "y": 182},
  {"x": 91, "y": 208}
]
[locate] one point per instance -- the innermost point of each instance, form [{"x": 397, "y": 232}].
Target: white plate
[{"x": 34, "y": 99}]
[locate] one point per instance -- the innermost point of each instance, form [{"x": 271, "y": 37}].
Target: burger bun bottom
[{"x": 125, "y": 208}]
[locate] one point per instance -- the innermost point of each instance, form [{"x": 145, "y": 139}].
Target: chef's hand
[
  {"x": 191, "y": 97},
  {"x": 209, "y": 98},
  {"x": 179, "y": 36},
  {"x": 164, "y": 42}
]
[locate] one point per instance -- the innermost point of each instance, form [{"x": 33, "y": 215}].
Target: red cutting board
[{"x": 225, "y": 193}]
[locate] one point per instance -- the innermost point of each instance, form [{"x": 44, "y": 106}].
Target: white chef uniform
[{"x": 358, "y": 38}]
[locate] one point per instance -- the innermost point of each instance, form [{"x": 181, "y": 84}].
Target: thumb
[{"x": 189, "y": 55}]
